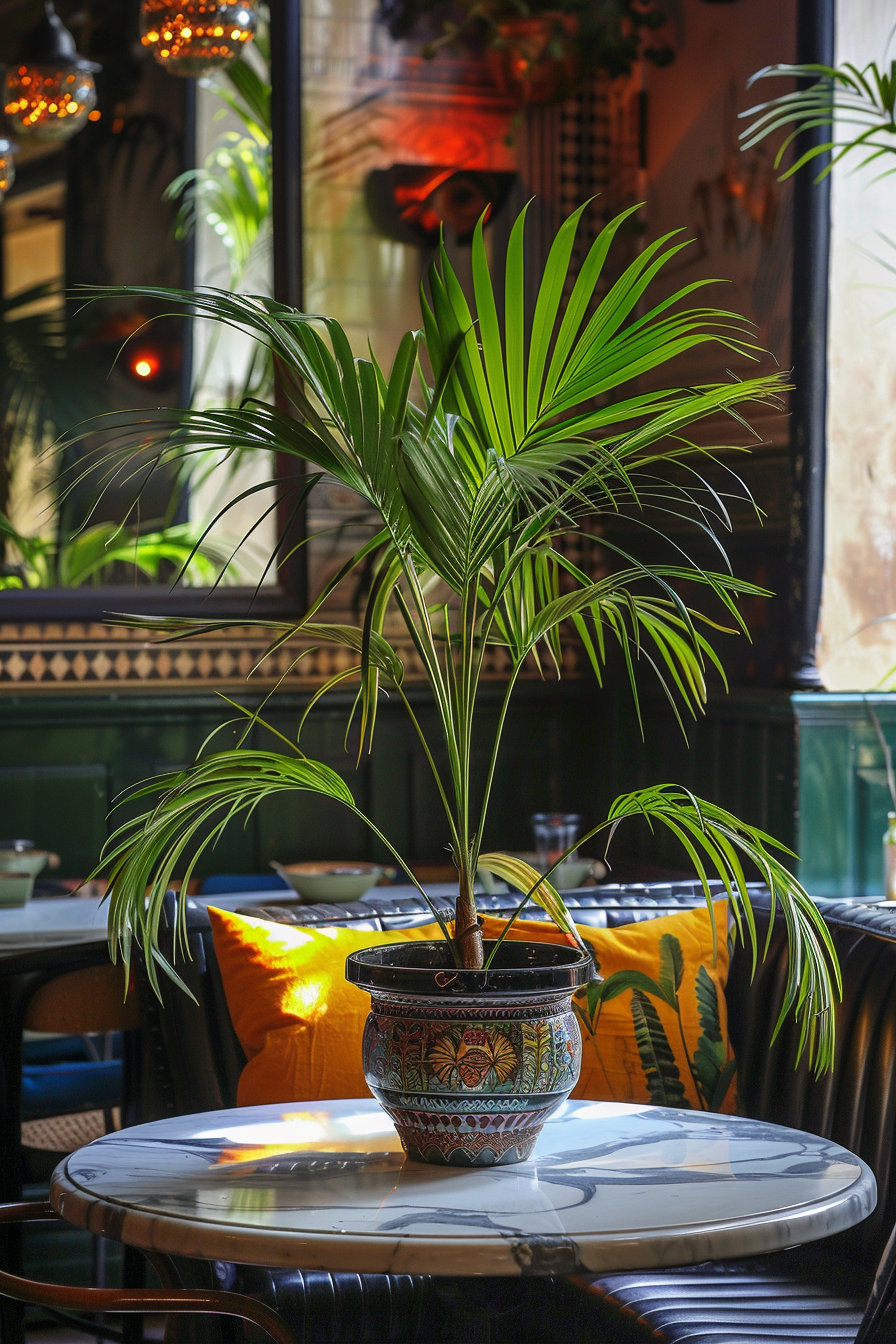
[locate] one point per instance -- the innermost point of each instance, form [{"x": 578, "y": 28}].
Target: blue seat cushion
[
  {"x": 61, "y": 1089},
  {"x": 55, "y": 1050},
  {"x": 224, "y": 884}
]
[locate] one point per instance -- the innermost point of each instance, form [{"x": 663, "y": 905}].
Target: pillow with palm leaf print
[{"x": 655, "y": 1029}]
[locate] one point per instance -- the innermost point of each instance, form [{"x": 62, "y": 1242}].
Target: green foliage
[
  {"x": 859, "y": 104},
  {"x": 519, "y": 436},
  {"x": 523, "y": 877},
  {"x": 657, "y": 1060},
  {"x": 671, "y": 969},
  {"x": 196, "y": 805},
  {"x": 713, "y": 1075},
  {"x": 87, "y": 556},
  {"x": 710, "y": 1073},
  {"x": 232, "y": 191}
]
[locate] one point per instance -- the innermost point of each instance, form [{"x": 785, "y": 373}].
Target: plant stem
[
  {"x": 432, "y": 765},
  {"x": 493, "y": 761},
  {"x": 467, "y": 934},
  {"x": 701, "y": 1102}
]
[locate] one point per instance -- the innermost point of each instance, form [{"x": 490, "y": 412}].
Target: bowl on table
[
  {"x": 20, "y": 864},
  {"x": 330, "y": 882}
]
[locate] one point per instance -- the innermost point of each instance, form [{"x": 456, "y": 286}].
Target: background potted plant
[
  {"x": 516, "y": 439},
  {"x": 537, "y": 51}
]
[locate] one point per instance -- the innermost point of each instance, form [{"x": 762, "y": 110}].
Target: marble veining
[{"x": 326, "y": 1186}]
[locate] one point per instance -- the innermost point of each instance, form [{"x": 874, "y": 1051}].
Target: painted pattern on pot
[{"x": 471, "y": 1085}]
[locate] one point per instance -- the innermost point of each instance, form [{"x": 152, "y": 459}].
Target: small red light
[{"x": 146, "y": 365}]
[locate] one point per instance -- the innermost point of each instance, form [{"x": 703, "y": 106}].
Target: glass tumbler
[{"x": 554, "y": 833}]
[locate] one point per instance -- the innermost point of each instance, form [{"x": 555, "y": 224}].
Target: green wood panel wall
[
  {"x": 739, "y": 754},
  {"x": 65, "y": 759}
]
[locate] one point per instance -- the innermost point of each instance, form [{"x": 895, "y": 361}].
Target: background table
[
  {"x": 63, "y": 921},
  {"x": 66, "y": 920},
  {"x": 326, "y": 1187}
]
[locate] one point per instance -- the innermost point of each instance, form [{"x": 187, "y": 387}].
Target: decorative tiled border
[{"x": 76, "y": 656}]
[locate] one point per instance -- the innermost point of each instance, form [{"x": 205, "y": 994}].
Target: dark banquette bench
[{"x": 841, "y": 1289}]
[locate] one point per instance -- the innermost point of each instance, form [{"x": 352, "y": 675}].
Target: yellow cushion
[
  {"x": 301, "y": 1023},
  {"x": 636, "y": 1046},
  {"x": 298, "y": 1019}
]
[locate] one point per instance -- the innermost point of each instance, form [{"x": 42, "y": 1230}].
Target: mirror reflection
[
  {"x": 139, "y": 153},
  {"x": 140, "y": 142}
]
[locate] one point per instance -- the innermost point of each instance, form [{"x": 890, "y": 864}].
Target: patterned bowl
[{"x": 470, "y": 1064}]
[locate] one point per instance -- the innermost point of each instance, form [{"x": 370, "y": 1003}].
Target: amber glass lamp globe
[
  {"x": 50, "y": 91},
  {"x": 195, "y": 36}
]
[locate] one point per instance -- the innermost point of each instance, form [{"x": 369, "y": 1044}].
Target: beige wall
[{"x": 860, "y": 546}]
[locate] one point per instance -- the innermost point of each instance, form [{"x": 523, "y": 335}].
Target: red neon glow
[{"x": 145, "y": 365}]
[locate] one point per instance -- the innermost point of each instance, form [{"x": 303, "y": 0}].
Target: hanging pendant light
[
  {"x": 50, "y": 90},
  {"x": 194, "y": 36},
  {"x": 7, "y": 167}
]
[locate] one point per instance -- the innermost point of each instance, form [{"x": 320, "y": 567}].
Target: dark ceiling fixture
[
  {"x": 194, "y": 36},
  {"x": 50, "y": 90}
]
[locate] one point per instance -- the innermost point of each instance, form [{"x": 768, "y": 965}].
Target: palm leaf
[
  {"x": 714, "y": 839},
  {"x": 709, "y": 1057},
  {"x": 671, "y": 969},
  {"x": 523, "y": 877},
  {"x": 657, "y": 1060},
  {"x": 194, "y": 807},
  {"x": 619, "y": 982},
  {"x": 859, "y": 104}
]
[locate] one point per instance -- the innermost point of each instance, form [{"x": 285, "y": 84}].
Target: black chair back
[{"x": 855, "y": 1103}]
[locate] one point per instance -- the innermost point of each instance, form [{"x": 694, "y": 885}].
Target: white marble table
[
  {"x": 61, "y": 921},
  {"x": 326, "y": 1186}
]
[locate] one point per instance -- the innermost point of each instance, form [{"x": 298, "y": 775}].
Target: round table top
[{"x": 326, "y": 1186}]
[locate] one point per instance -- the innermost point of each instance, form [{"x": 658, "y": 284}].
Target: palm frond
[
  {"x": 858, "y": 104},
  {"x": 715, "y": 841},
  {"x": 192, "y": 810},
  {"x": 87, "y": 556}
]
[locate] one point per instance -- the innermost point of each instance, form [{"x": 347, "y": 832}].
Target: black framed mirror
[
  {"x": 168, "y": 181},
  {"x": 395, "y": 147}
]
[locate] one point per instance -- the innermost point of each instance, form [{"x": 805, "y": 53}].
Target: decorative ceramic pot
[
  {"x": 470, "y": 1064},
  {"x": 536, "y": 58}
]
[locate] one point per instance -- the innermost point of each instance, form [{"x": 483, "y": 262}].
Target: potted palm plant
[{"x": 513, "y": 441}]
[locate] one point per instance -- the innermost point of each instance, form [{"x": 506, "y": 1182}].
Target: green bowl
[
  {"x": 331, "y": 882},
  {"x": 29, "y": 862},
  {"x": 15, "y": 889}
]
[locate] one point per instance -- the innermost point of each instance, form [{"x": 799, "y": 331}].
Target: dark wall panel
[{"x": 64, "y": 761}]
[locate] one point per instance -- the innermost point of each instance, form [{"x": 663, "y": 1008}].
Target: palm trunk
[{"x": 467, "y": 934}]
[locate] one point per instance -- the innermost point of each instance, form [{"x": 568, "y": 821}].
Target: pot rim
[{"x": 371, "y": 969}]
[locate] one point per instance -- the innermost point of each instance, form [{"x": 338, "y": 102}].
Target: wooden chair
[{"x": 69, "y": 991}]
